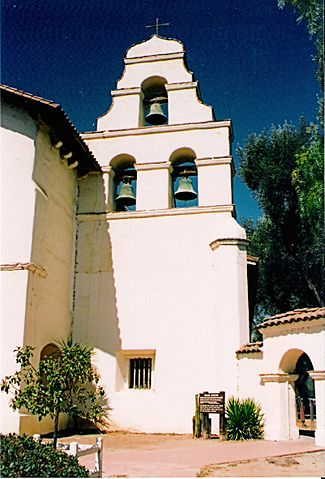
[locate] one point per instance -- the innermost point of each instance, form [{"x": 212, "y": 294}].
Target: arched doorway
[
  {"x": 305, "y": 396},
  {"x": 50, "y": 350}
]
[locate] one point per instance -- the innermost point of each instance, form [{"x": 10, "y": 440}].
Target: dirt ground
[
  {"x": 179, "y": 455},
  {"x": 297, "y": 465}
]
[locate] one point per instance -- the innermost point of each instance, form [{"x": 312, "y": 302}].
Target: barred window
[{"x": 140, "y": 373}]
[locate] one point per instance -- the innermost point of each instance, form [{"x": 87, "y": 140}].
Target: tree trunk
[
  {"x": 312, "y": 288},
  {"x": 56, "y": 427}
]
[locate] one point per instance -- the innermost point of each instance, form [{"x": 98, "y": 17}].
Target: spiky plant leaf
[{"x": 245, "y": 419}]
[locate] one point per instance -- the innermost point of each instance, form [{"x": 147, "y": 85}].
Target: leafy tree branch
[{"x": 65, "y": 382}]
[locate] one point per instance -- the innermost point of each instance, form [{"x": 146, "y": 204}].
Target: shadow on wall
[
  {"x": 18, "y": 120},
  {"x": 95, "y": 311}
]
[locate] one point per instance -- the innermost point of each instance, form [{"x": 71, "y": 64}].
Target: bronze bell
[
  {"x": 126, "y": 196},
  {"x": 185, "y": 190},
  {"x": 156, "y": 116}
]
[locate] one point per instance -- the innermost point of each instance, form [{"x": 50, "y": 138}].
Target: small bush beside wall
[
  {"x": 21, "y": 456},
  {"x": 245, "y": 419}
]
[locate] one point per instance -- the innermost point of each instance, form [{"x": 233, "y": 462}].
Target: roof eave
[{"x": 55, "y": 117}]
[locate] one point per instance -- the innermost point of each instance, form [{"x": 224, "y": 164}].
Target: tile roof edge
[
  {"x": 29, "y": 96},
  {"x": 295, "y": 316},
  {"x": 254, "y": 347},
  {"x": 58, "y": 107}
]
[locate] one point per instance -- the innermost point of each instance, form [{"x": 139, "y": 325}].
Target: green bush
[
  {"x": 21, "y": 456},
  {"x": 245, "y": 419}
]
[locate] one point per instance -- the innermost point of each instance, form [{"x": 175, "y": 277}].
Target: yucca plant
[{"x": 245, "y": 419}]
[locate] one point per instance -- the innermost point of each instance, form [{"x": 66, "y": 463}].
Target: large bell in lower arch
[
  {"x": 185, "y": 190},
  {"x": 156, "y": 116},
  {"x": 126, "y": 196}
]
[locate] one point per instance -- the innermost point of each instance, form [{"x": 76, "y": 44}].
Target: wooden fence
[{"x": 79, "y": 450}]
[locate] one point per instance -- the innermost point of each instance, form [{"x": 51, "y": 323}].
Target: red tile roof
[
  {"x": 54, "y": 115},
  {"x": 250, "y": 348},
  {"x": 252, "y": 259},
  {"x": 28, "y": 96},
  {"x": 305, "y": 314}
]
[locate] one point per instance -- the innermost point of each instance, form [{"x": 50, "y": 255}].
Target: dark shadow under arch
[{"x": 50, "y": 350}]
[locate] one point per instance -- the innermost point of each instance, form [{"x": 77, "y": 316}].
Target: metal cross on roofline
[{"x": 157, "y": 25}]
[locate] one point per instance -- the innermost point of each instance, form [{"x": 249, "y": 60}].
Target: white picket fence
[{"x": 79, "y": 450}]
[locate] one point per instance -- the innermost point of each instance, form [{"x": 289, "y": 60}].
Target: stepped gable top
[
  {"x": 250, "y": 348},
  {"x": 295, "y": 316},
  {"x": 53, "y": 115},
  {"x": 156, "y": 45}
]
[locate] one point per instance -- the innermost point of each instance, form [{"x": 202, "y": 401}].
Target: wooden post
[
  {"x": 37, "y": 437},
  {"x": 197, "y": 426},
  {"x": 222, "y": 427},
  {"x": 99, "y": 457},
  {"x": 74, "y": 448},
  {"x": 206, "y": 427}
]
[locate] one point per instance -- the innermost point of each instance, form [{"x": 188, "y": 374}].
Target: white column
[
  {"x": 230, "y": 305},
  {"x": 108, "y": 178},
  {"x": 318, "y": 377},
  {"x": 293, "y": 432},
  {"x": 215, "y": 181},
  {"x": 124, "y": 112},
  {"x": 153, "y": 186},
  {"x": 279, "y": 406}
]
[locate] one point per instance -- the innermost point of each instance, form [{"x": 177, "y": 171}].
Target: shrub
[
  {"x": 64, "y": 382},
  {"x": 245, "y": 419},
  {"x": 21, "y": 456}
]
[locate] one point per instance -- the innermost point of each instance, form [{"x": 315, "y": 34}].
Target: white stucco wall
[
  {"x": 17, "y": 193},
  {"x": 157, "y": 144},
  {"x": 250, "y": 366},
  {"x": 173, "y": 70},
  {"x": 53, "y": 245},
  {"x": 13, "y": 303},
  {"x": 155, "y": 284},
  {"x": 38, "y": 222},
  {"x": 156, "y": 45},
  {"x": 156, "y": 57},
  {"x": 185, "y": 107},
  {"x": 17, "y": 211},
  {"x": 269, "y": 377},
  {"x": 153, "y": 150},
  {"x": 148, "y": 280},
  {"x": 282, "y": 347},
  {"x": 48, "y": 313},
  {"x": 305, "y": 337}
]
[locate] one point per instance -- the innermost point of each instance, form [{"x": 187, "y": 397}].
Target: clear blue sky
[{"x": 252, "y": 60}]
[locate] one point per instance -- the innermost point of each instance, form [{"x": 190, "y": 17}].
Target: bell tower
[
  {"x": 161, "y": 283},
  {"x": 158, "y": 118}
]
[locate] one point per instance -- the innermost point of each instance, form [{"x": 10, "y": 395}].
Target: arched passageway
[
  {"x": 305, "y": 395},
  {"x": 298, "y": 364}
]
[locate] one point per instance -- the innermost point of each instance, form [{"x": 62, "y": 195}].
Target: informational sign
[{"x": 212, "y": 402}]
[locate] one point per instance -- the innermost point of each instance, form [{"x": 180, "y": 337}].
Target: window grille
[{"x": 140, "y": 373}]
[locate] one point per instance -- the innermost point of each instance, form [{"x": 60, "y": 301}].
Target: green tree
[
  {"x": 65, "y": 382},
  {"x": 288, "y": 237},
  {"x": 307, "y": 179}
]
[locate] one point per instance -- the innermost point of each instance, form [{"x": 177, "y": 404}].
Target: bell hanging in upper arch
[
  {"x": 156, "y": 116},
  {"x": 185, "y": 190},
  {"x": 126, "y": 196}
]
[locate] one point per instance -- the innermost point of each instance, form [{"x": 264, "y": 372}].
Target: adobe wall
[
  {"x": 38, "y": 218},
  {"x": 150, "y": 282},
  {"x": 17, "y": 211}
]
